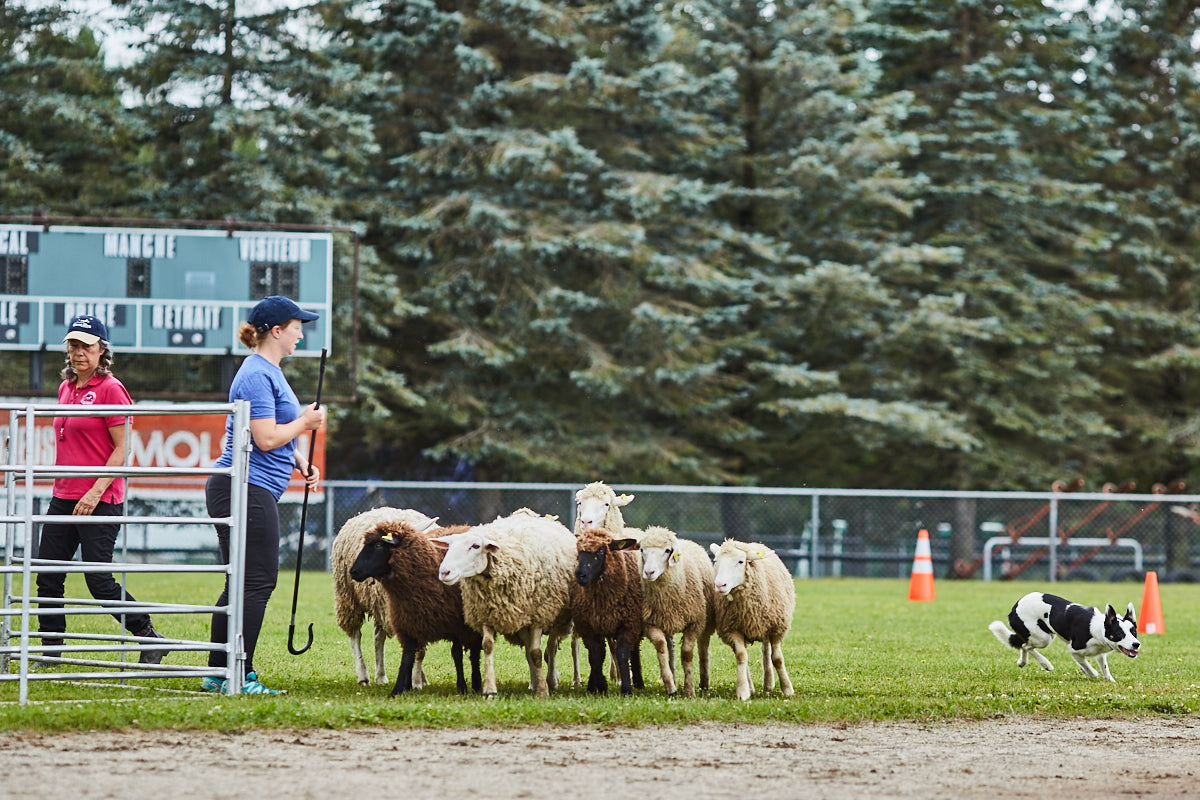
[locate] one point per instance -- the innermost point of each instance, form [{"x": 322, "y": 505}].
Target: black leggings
[
  {"x": 59, "y": 542},
  {"x": 262, "y": 562}
]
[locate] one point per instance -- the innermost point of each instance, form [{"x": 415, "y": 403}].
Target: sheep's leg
[
  {"x": 419, "y": 680},
  {"x": 623, "y": 656},
  {"x": 456, "y": 653},
  {"x": 408, "y": 652},
  {"x": 635, "y": 663},
  {"x": 659, "y": 640},
  {"x": 489, "y": 662},
  {"x": 785, "y": 683},
  {"x": 523, "y": 635},
  {"x": 768, "y": 675},
  {"x": 533, "y": 654},
  {"x": 596, "y": 650},
  {"x": 381, "y": 638},
  {"x": 553, "y": 642},
  {"x": 360, "y": 664},
  {"x": 744, "y": 686},
  {"x": 575, "y": 678},
  {"x": 687, "y": 651},
  {"x": 476, "y": 680}
]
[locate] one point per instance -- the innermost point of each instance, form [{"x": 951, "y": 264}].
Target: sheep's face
[
  {"x": 374, "y": 560},
  {"x": 591, "y": 565},
  {"x": 598, "y": 506},
  {"x": 656, "y": 560},
  {"x": 592, "y": 545},
  {"x": 729, "y": 566},
  {"x": 466, "y": 556}
]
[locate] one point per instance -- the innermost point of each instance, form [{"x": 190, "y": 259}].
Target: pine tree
[
  {"x": 244, "y": 109},
  {"x": 64, "y": 136},
  {"x": 1003, "y": 125},
  {"x": 812, "y": 214},
  {"x": 529, "y": 305}
]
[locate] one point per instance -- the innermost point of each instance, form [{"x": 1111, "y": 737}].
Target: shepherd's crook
[{"x": 312, "y": 450}]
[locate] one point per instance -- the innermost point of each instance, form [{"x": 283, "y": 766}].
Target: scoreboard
[{"x": 158, "y": 290}]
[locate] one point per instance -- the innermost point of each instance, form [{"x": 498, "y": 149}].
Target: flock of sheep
[{"x": 529, "y": 579}]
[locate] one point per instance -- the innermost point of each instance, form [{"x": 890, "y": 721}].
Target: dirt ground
[{"x": 995, "y": 759}]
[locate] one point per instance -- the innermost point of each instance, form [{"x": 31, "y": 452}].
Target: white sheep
[
  {"x": 516, "y": 575},
  {"x": 598, "y": 506},
  {"x": 354, "y": 601},
  {"x": 754, "y": 602},
  {"x": 677, "y": 597}
]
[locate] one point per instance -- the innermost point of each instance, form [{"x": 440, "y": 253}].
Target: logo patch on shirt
[{"x": 88, "y": 399}]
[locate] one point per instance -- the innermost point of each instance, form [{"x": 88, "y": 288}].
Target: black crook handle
[
  {"x": 304, "y": 521},
  {"x": 292, "y": 632}
]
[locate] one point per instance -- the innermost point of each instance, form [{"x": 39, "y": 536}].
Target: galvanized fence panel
[{"x": 22, "y": 645}]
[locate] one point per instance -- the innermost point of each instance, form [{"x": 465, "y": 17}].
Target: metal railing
[{"x": 22, "y": 471}]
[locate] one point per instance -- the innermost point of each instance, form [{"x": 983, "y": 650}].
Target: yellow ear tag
[
  {"x": 675, "y": 557},
  {"x": 389, "y": 538},
  {"x": 762, "y": 553},
  {"x": 551, "y": 516}
]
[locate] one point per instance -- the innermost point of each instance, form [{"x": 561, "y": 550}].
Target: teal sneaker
[
  {"x": 252, "y": 686},
  {"x": 212, "y": 685}
]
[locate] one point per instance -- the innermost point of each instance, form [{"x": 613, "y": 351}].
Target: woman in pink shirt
[{"x": 88, "y": 442}]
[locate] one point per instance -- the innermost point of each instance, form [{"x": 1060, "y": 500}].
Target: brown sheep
[
  {"x": 421, "y": 609},
  {"x": 606, "y": 605},
  {"x": 354, "y": 601}
]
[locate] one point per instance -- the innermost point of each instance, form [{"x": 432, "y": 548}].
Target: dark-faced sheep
[
  {"x": 516, "y": 575},
  {"x": 597, "y": 505},
  {"x": 754, "y": 602},
  {"x": 606, "y": 606},
  {"x": 421, "y": 608},
  {"x": 354, "y": 601}
]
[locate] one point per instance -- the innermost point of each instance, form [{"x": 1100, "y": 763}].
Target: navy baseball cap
[
  {"x": 277, "y": 310},
  {"x": 86, "y": 329}
]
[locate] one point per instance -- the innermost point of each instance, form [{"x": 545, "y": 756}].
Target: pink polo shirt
[{"x": 85, "y": 441}]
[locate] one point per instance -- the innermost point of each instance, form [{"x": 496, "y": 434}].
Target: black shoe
[
  {"x": 48, "y": 643},
  {"x": 151, "y": 656}
]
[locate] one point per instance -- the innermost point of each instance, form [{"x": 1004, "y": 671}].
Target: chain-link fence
[
  {"x": 818, "y": 532},
  {"x": 821, "y": 532}
]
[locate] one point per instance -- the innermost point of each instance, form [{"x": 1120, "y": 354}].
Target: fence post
[{"x": 1053, "y": 538}]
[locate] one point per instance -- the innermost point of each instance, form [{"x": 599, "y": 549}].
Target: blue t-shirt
[{"x": 263, "y": 385}]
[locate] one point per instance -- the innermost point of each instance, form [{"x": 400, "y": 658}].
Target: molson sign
[{"x": 172, "y": 440}]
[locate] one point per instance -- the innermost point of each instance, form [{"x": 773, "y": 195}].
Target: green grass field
[{"x": 858, "y": 650}]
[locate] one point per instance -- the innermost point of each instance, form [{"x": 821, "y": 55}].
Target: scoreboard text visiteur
[{"x": 158, "y": 290}]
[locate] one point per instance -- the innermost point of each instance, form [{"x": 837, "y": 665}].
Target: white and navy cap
[{"x": 87, "y": 329}]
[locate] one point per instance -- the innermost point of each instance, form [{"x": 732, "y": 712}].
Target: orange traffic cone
[
  {"x": 920, "y": 585},
  {"x": 1150, "y": 618}
]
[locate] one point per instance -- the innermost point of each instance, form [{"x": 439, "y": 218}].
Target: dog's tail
[{"x": 1005, "y": 635}]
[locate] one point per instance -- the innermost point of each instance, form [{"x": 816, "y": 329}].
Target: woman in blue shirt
[{"x": 272, "y": 330}]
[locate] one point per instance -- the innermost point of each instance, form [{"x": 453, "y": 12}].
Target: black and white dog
[{"x": 1089, "y": 633}]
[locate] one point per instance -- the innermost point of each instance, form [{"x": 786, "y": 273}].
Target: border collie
[{"x": 1089, "y": 633}]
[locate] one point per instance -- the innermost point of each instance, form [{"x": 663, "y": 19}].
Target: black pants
[
  {"x": 262, "y": 562},
  {"x": 59, "y": 542}
]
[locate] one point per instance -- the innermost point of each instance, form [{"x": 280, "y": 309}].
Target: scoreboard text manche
[{"x": 157, "y": 290}]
